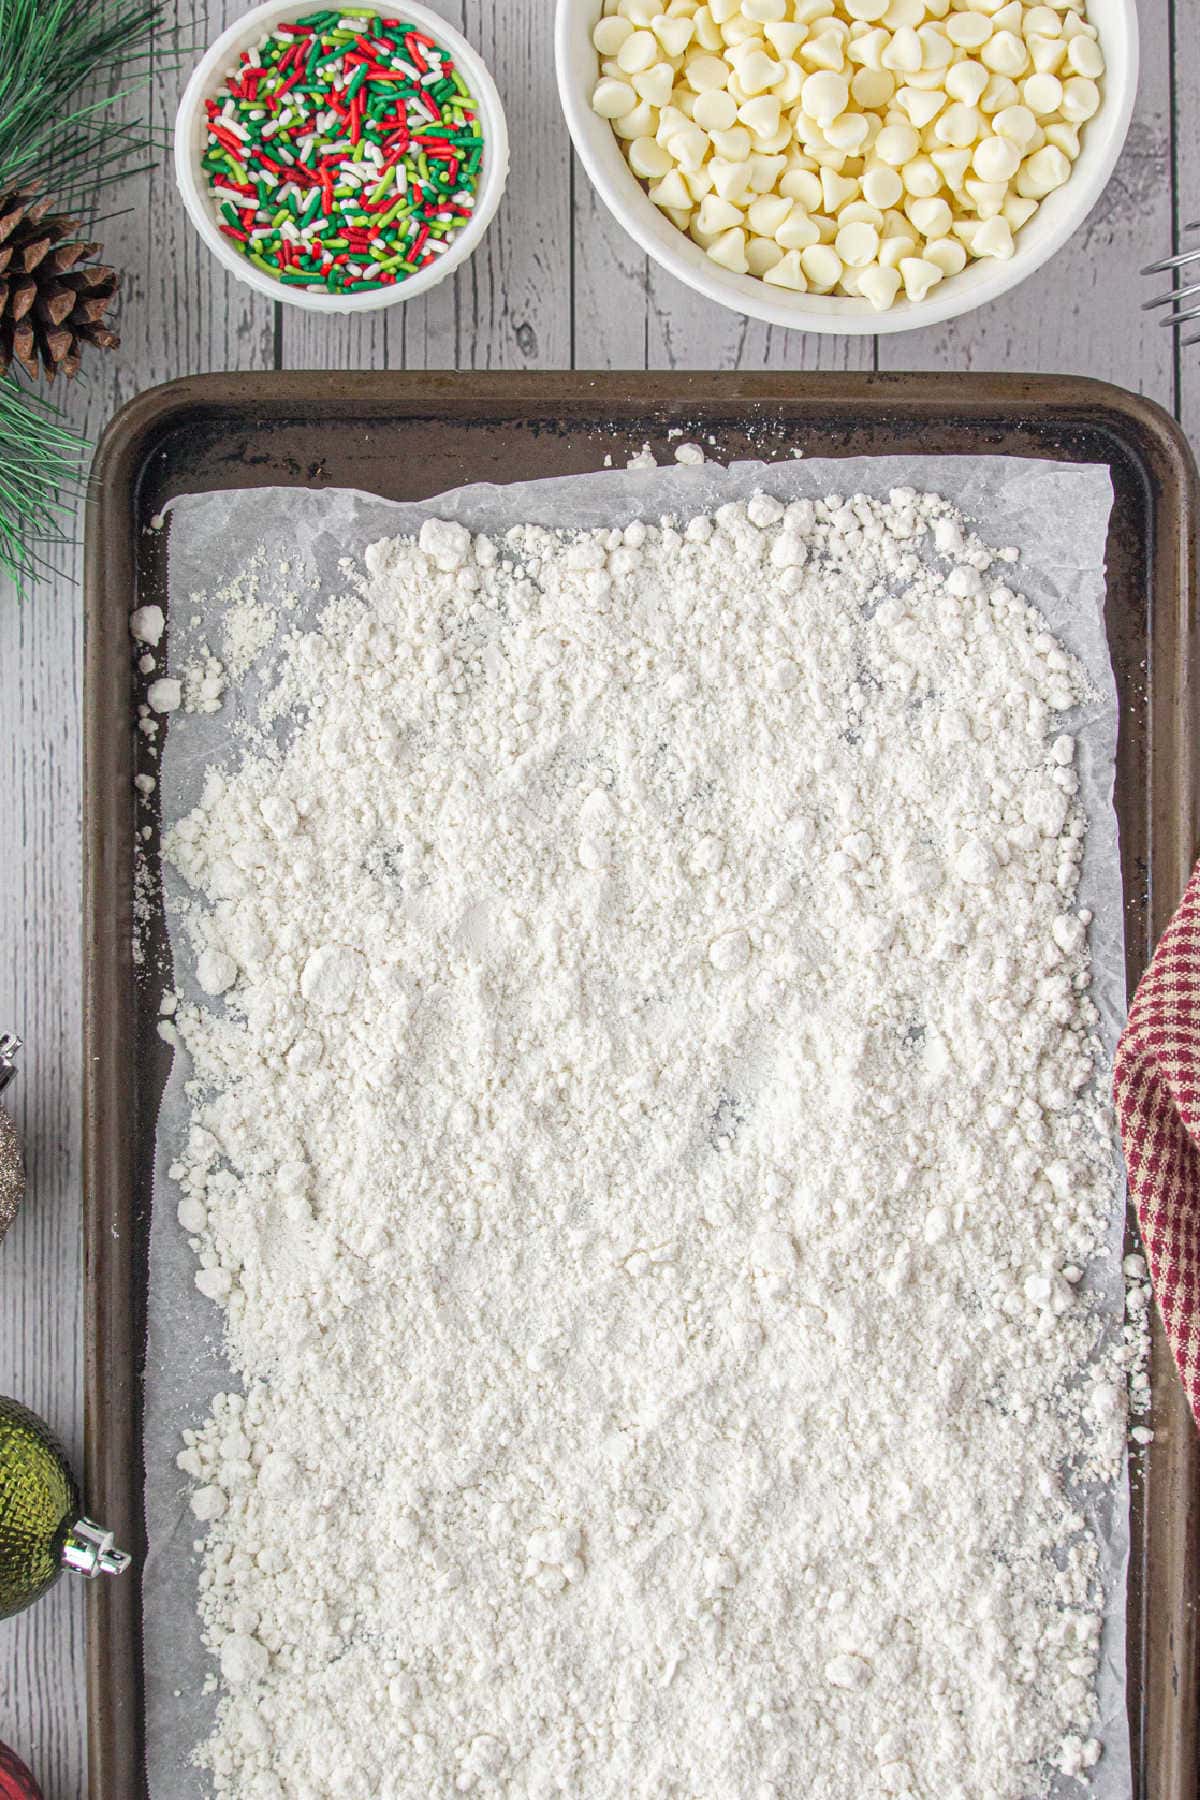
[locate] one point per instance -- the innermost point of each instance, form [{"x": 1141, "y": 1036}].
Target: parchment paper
[{"x": 294, "y": 543}]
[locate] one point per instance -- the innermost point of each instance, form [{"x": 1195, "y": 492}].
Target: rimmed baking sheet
[{"x": 408, "y": 436}]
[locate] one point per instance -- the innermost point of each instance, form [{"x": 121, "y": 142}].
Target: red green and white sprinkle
[{"x": 344, "y": 153}]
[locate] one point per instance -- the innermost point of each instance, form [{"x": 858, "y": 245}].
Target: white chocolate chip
[
  {"x": 994, "y": 238},
  {"x": 996, "y": 158},
  {"x": 968, "y": 30},
  {"x": 1064, "y": 137},
  {"x": 857, "y": 244},
  {"x": 822, "y": 267},
  {"x": 788, "y": 273},
  {"x": 932, "y": 217},
  {"x": 967, "y": 82},
  {"x": 921, "y": 178},
  {"x": 1042, "y": 172},
  {"x": 613, "y": 99},
  {"x": 715, "y": 110},
  {"x": 762, "y": 255},
  {"x": 785, "y": 37},
  {"x": 1016, "y": 123},
  {"x": 848, "y": 132},
  {"x": 717, "y": 215},
  {"x": 873, "y": 89},
  {"x": 882, "y": 186},
  {"x": 674, "y": 34},
  {"x": 1042, "y": 94},
  {"x": 825, "y": 95},
  {"x": 949, "y": 255},
  {"x": 922, "y": 105},
  {"x": 1085, "y": 57},
  {"x": 650, "y": 159},
  {"x": 958, "y": 126},
  {"x": 729, "y": 251},
  {"x": 918, "y": 276},
  {"x": 638, "y": 52},
  {"x": 904, "y": 51},
  {"x": 768, "y": 213},
  {"x": 879, "y": 285},
  {"x": 836, "y": 190},
  {"x": 897, "y": 144},
  {"x": 705, "y": 74},
  {"x": 1005, "y": 54},
  {"x": 1081, "y": 99},
  {"x": 610, "y": 34},
  {"x": 798, "y": 230},
  {"x": 761, "y": 115}
]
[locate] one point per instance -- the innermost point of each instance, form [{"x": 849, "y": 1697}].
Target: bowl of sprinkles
[{"x": 341, "y": 159}]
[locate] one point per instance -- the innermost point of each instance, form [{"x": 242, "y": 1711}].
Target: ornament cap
[
  {"x": 9, "y": 1045},
  {"x": 89, "y": 1551}
]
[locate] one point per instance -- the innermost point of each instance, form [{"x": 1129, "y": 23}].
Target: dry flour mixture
[{"x": 644, "y": 1142}]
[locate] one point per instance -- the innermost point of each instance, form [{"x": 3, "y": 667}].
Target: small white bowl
[
  {"x": 191, "y": 134},
  {"x": 1060, "y": 214}
]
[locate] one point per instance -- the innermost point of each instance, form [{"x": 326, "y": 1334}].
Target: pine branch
[
  {"x": 41, "y": 462},
  {"x": 58, "y": 113},
  {"x": 62, "y": 120}
]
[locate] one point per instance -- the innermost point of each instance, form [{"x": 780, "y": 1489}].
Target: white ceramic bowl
[
  {"x": 1060, "y": 214},
  {"x": 190, "y": 135}
]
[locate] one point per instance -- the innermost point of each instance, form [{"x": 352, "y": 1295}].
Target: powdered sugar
[{"x": 647, "y": 1155}]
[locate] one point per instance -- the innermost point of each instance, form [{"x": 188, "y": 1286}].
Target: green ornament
[{"x": 42, "y": 1530}]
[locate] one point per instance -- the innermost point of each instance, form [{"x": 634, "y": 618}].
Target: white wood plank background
[{"x": 556, "y": 285}]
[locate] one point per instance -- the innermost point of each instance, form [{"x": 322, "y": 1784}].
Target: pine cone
[{"x": 52, "y": 301}]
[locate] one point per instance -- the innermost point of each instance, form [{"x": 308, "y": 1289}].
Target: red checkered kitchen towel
[{"x": 1156, "y": 1087}]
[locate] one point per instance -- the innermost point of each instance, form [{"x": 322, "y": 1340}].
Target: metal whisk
[{"x": 1173, "y": 265}]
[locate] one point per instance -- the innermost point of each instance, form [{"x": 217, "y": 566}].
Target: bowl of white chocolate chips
[{"x": 849, "y": 165}]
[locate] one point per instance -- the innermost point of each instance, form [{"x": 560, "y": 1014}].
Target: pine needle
[
  {"x": 60, "y": 120},
  {"x": 41, "y": 461}
]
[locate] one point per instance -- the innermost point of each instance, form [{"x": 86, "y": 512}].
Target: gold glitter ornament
[
  {"x": 12, "y": 1161},
  {"x": 42, "y": 1530}
]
